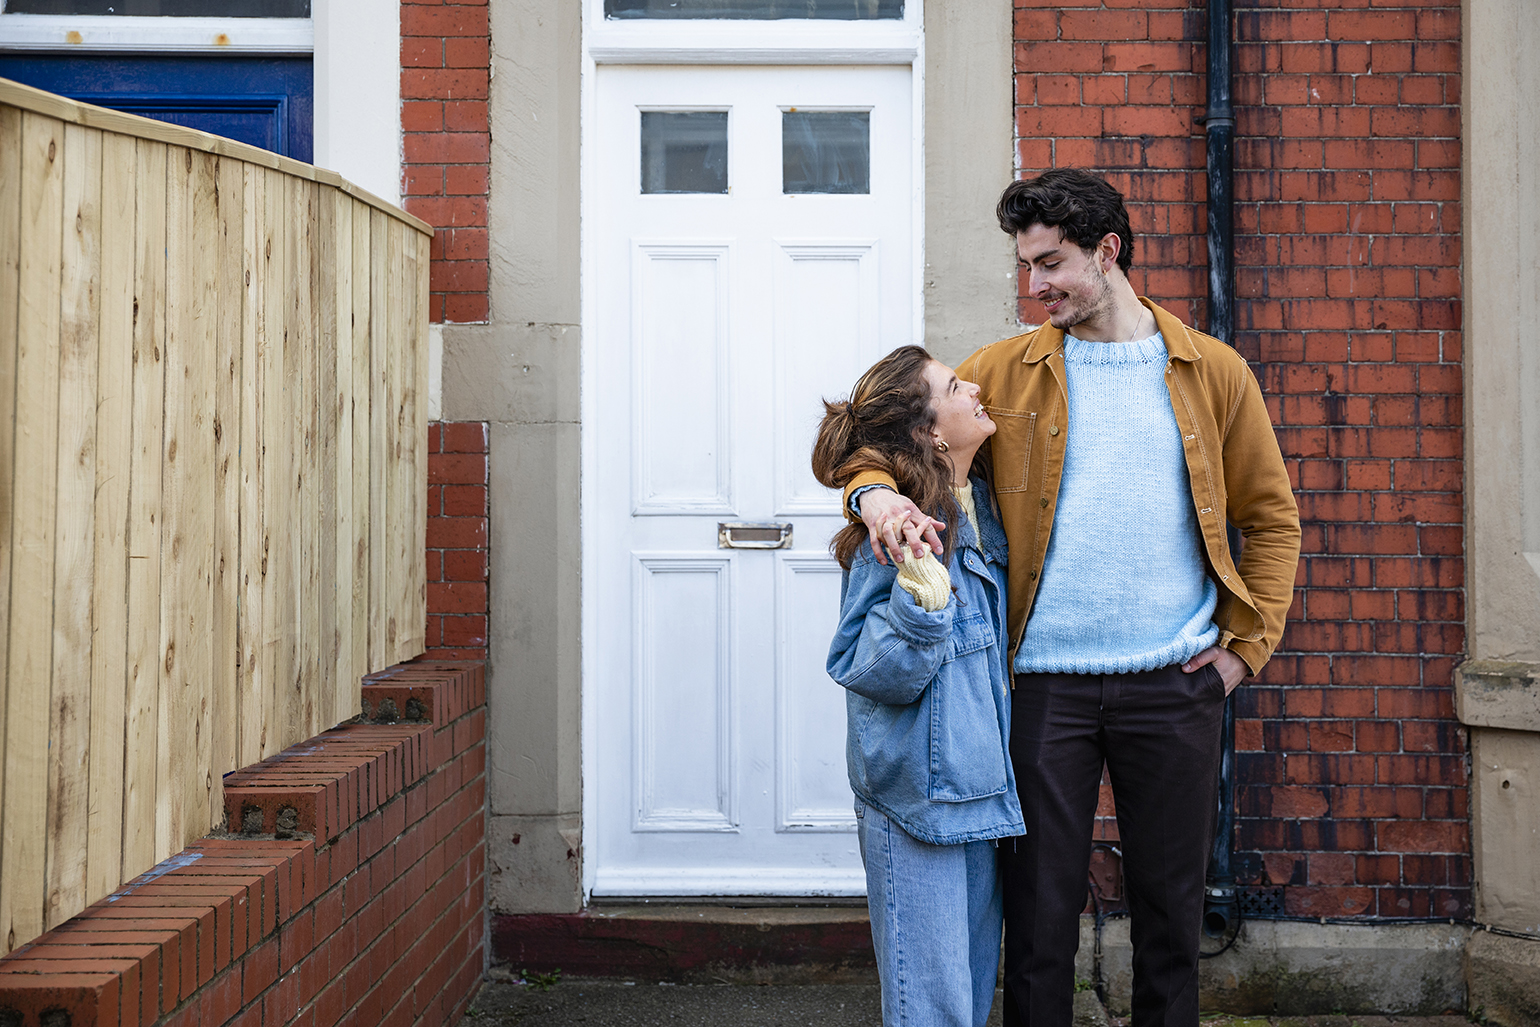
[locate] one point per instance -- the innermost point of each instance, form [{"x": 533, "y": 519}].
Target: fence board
[
  {"x": 114, "y": 448},
  {"x": 417, "y": 381},
  {"x": 278, "y": 636},
  {"x": 10, "y": 255},
  {"x": 211, "y": 374},
  {"x": 379, "y": 417},
  {"x": 69, "y": 709},
  {"x": 32, "y": 531},
  {"x": 174, "y": 743},
  {"x": 199, "y": 355},
  {"x": 231, "y": 293},
  {"x": 394, "y": 407},
  {"x": 328, "y": 416},
  {"x": 360, "y": 463},
  {"x": 302, "y": 286},
  {"x": 253, "y": 681},
  {"x": 149, "y": 394}
]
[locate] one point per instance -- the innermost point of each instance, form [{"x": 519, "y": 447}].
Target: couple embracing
[{"x": 1105, "y": 451}]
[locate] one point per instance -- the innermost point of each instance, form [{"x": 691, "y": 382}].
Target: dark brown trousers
[{"x": 1157, "y": 732}]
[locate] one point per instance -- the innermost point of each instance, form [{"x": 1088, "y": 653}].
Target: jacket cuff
[
  {"x": 862, "y": 480},
  {"x": 1254, "y": 653},
  {"x": 915, "y": 625}
]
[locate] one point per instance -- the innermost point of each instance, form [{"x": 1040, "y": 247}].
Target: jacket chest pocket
[{"x": 1011, "y": 447}]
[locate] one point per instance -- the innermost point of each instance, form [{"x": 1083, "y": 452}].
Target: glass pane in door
[
  {"x": 684, "y": 151},
  {"x": 826, "y": 151}
]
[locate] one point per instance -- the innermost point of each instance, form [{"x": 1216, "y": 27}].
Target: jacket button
[
  {"x": 1043, "y": 501},
  {"x": 1053, "y": 429},
  {"x": 1032, "y": 575}
]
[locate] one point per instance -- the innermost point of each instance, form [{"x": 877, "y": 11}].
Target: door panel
[
  {"x": 723, "y": 317},
  {"x": 263, "y": 101}
]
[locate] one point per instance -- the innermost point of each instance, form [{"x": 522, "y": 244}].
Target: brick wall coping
[{"x": 144, "y": 951}]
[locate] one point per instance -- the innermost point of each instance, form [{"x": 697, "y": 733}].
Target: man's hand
[
  {"x": 1231, "y": 667},
  {"x": 895, "y": 522}
]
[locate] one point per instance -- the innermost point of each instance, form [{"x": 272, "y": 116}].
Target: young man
[{"x": 1125, "y": 442}]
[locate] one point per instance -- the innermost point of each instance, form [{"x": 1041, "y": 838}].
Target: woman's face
[{"x": 960, "y": 419}]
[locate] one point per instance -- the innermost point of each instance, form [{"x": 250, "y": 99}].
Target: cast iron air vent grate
[{"x": 1259, "y": 901}]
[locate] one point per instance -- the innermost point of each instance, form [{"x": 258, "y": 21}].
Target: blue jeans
[{"x": 936, "y": 914}]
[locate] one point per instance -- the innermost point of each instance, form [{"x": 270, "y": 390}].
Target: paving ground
[{"x": 564, "y": 1002}]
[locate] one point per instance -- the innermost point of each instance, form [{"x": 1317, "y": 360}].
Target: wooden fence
[{"x": 213, "y": 475}]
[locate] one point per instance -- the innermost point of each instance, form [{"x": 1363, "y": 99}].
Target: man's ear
[{"x": 1107, "y": 251}]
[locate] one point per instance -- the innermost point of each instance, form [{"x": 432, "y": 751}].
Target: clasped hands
[{"x": 895, "y": 523}]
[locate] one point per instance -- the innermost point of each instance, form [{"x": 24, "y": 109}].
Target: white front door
[{"x": 754, "y": 253}]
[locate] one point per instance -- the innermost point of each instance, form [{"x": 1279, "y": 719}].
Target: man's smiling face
[{"x": 1071, "y": 283}]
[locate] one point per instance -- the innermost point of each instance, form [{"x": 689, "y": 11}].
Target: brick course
[
  {"x": 446, "y": 146},
  {"x": 1351, "y": 769},
  {"x": 458, "y": 526},
  {"x": 366, "y": 909}
]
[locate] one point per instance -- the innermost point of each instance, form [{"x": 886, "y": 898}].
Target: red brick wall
[
  {"x": 446, "y": 146},
  {"x": 457, "y": 540},
  {"x": 1352, "y": 783},
  {"x": 367, "y": 909}
]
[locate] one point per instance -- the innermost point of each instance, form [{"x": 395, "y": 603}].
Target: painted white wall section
[
  {"x": 435, "y": 372},
  {"x": 358, "y": 92}
]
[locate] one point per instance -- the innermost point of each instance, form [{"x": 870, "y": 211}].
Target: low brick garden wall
[{"x": 352, "y": 890}]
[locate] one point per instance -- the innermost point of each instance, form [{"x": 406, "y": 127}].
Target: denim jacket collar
[{"x": 992, "y": 542}]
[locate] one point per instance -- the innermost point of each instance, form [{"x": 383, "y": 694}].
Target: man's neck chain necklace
[{"x": 1137, "y": 325}]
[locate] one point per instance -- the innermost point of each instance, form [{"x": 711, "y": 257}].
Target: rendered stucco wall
[
  {"x": 1497, "y": 688},
  {"x": 970, "y": 265},
  {"x": 1502, "y": 326},
  {"x": 519, "y": 372}
]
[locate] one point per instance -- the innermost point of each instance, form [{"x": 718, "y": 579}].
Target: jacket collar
[
  {"x": 1048, "y": 340},
  {"x": 991, "y": 540}
]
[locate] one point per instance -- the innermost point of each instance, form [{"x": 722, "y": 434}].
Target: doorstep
[{"x": 692, "y": 942}]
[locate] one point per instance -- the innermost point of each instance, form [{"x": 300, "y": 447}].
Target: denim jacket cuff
[{"x": 913, "y": 624}]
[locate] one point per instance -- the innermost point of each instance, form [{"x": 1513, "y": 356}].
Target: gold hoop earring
[{"x": 941, "y": 446}]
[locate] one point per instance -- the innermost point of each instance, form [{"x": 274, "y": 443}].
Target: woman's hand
[
  {"x": 894, "y": 521},
  {"x": 1231, "y": 667}
]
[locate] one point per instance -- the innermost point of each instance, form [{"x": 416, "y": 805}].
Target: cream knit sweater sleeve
[{"x": 927, "y": 580}]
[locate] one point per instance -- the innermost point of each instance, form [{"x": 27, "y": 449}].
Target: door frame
[{"x": 725, "y": 43}]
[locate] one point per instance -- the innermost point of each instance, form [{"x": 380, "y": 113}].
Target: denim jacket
[{"x": 928, "y": 694}]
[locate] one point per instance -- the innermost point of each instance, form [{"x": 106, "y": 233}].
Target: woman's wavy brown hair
[{"x": 885, "y": 426}]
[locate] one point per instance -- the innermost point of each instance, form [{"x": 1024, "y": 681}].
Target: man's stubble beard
[{"x": 1097, "y": 303}]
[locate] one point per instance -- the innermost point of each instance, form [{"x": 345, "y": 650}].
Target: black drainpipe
[{"x": 1219, "y": 909}]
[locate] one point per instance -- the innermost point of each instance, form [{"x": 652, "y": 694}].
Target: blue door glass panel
[{"x": 264, "y": 101}]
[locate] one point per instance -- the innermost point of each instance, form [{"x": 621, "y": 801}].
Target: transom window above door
[{"x": 757, "y": 10}]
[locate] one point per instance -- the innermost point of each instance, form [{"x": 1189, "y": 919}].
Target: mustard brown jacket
[{"x": 1233, "y": 463}]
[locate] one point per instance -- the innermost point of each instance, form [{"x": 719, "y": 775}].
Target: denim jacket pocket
[
  {"x": 963, "y": 716},
  {"x": 968, "y": 636}
]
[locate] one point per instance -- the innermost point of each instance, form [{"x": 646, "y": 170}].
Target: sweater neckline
[{"x": 1139, "y": 351}]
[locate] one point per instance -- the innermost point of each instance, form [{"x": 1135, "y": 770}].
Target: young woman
[{"x": 920, "y": 649}]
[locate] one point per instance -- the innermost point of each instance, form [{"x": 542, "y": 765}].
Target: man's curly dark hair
[{"x": 1079, "y": 204}]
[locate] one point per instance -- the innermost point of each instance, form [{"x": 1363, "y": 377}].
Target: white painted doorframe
[{"x": 716, "y": 43}]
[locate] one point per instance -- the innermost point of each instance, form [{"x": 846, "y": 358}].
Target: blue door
[{"x": 264, "y": 101}]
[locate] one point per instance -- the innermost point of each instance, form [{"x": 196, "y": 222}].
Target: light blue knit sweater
[{"x": 1124, "y": 586}]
